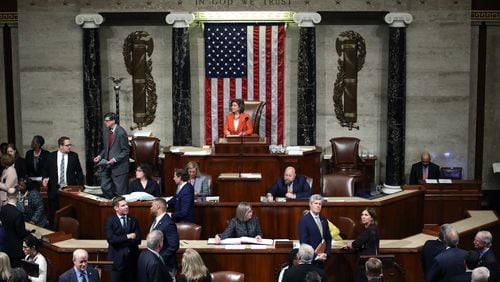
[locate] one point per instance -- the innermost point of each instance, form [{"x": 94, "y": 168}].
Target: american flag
[{"x": 244, "y": 61}]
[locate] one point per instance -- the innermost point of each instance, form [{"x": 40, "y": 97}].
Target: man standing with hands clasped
[{"x": 115, "y": 156}]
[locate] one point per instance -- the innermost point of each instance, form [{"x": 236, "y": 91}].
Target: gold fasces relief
[{"x": 351, "y": 49}]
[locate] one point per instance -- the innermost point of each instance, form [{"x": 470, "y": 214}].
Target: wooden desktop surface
[
  {"x": 263, "y": 263},
  {"x": 278, "y": 220}
]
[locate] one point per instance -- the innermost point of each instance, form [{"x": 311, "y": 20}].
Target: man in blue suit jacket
[
  {"x": 123, "y": 236},
  {"x": 166, "y": 225},
  {"x": 448, "y": 263},
  {"x": 150, "y": 266},
  {"x": 291, "y": 186},
  {"x": 310, "y": 232},
  {"x": 183, "y": 200},
  {"x": 80, "y": 269}
]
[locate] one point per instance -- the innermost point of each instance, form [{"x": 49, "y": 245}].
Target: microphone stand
[{"x": 240, "y": 159}]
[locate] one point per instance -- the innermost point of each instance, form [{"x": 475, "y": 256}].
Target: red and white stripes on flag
[{"x": 247, "y": 62}]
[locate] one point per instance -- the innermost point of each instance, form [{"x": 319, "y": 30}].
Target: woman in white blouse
[
  {"x": 31, "y": 246},
  {"x": 8, "y": 179}
]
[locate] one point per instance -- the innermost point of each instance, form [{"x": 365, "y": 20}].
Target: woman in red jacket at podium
[{"x": 238, "y": 122}]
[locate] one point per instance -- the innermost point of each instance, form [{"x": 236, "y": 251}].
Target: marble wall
[{"x": 439, "y": 51}]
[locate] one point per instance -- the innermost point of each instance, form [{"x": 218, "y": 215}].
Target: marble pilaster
[
  {"x": 396, "y": 92},
  {"x": 306, "y": 78},
  {"x": 181, "y": 83},
  {"x": 92, "y": 94}
]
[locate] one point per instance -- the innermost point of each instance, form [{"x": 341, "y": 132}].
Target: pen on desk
[{"x": 185, "y": 242}]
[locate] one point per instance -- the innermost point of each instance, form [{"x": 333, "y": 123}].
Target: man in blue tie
[
  {"x": 115, "y": 156},
  {"x": 482, "y": 243},
  {"x": 80, "y": 272},
  {"x": 123, "y": 236}
]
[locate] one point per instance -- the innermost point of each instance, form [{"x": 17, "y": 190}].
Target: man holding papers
[
  {"x": 243, "y": 225},
  {"x": 313, "y": 229}
]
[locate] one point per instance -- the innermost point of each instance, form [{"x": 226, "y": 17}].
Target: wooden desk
[
  {"x": 271, "y": 166},
  {"x": 447, "y": 202},
  {"x": 278, "y": 220},
  {"x": 263, "y": 264}
]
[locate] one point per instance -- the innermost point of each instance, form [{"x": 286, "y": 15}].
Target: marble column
[
  {"x": 306, "y": 78},
  {"x": 92, "y": 94},
  {"x": 396, "y": 92},
  {"x": 181, "y": 83}
]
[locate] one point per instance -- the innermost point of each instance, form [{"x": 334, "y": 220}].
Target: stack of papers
[
  {"x": 241, "y": 240},
  {"x": 138, "y": 196}
]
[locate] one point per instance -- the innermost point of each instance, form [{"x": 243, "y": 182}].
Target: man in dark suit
[
  {"x": 123, "y": 236},
  {"x": 80, "y": 271},
  {"x": 36, "y": 157},
  {"x": 299, "y": 272},
  {"x": 313, "y": 229},
  {"x": 448, "y": 263},
  {"x": 166, "y": 225},
  {"x": 150, "y": 266},
  {"x": 471, "y": 260},
  {"x": 183, "y": 200},
  {"x": 482, "y": 244},
  {"x": 61, "y": 169},
  {"x": 115, "y": 157},
  {"x": 373, "y": 270},
  {"x": 291, "y": 186},
  {"x": 13, "y": 223},
  {"x": 432, "y": 248},
  {"x": 424, "y": 169}
]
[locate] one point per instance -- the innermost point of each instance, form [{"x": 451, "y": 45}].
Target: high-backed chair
[
  {"x": 346, "y": 227},
  {"x": 70, "y": 226},
  {"x": 451, "y": 172},
  {"x": 338, "y": 185},
  {"x": 146, "y": 150},
  {"x": 345, "y": 156},
  {"x": 254, "y": 109},
  {"x": 228, "y": 276},
  {"x": 188, "y": 231}
]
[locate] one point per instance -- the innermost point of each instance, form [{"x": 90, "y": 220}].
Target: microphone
[{"x": 243, "y": 130}]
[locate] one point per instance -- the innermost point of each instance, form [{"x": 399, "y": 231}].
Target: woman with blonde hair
[
  {"x": 193, "y": 268},
  {"x": 5, "y": 268},
  {"x": 243, "y": 225}
]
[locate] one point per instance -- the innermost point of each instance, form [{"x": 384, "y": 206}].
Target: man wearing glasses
[
  {"x": 61, "y": 169},
  {"x": 115, "y": 157}
]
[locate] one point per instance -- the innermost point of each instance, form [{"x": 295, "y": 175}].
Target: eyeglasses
[
  {"x": 107, "y": 120},
  {"x": 68, "y": 145}
]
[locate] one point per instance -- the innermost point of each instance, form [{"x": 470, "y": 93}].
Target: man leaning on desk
[{"x": 291, "y": 186}]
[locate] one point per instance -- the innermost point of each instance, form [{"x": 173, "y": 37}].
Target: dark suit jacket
[
  {"x": 15, "y": 231},
  {"x": 430, "y": 250},
  {"x": 120, "y": 150},
  {"x": 151, "y": 188},
  {"x": 241, "y": 124},
  {"x": 151, "y": 269},
  {"x": 170, "y": 241},
  {"x": 70, "y": 275},
  {"x": 309, "y": 232},
  {"x": 30, "y": 157},
  {"x": 300, "y": 187},
  {"x": 183, "y": 203},
  {"x": 74, "y": 173},
  {"x": 20, "y": 165},
  {"x": 489, "y": 261},
  {"x": 416, "y": 172},
  {"x": 446, "y": 265},
  {"x": 298, "y": 273},
  {"x": 122, "y": 251},
  {"x": 367, "y": 242},
  {"x": 462, "y": 277}
]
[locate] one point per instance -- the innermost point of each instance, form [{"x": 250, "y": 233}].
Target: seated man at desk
[
  {"x": 291, "y": 186},
  {"x": 424, "y": 169}
]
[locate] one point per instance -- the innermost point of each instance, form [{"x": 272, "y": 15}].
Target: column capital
[
  {"x": 306, "y": 19},
  {"x": 89, "y": 20},
  {"x": 398, "y": 19},
  {"x": 180, "y": 19}
]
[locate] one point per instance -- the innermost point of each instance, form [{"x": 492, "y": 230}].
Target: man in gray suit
[{"x": 115, "y": 156}]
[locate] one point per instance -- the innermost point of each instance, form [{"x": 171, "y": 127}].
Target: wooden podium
[{"x": 251, "y": 144}]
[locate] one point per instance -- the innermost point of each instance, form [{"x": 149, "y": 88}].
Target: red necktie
[{"x": 111, "y": 138}]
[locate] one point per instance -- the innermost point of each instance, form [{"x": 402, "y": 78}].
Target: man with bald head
[
  {"x": 450, "y": 262},
  {"x": 424, "y": 169},
  {"x": 80, "y": 270},
  {"x": 291, "y": 186}
]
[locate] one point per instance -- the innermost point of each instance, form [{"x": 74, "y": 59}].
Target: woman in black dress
[{"x": 144, "y": 181}]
